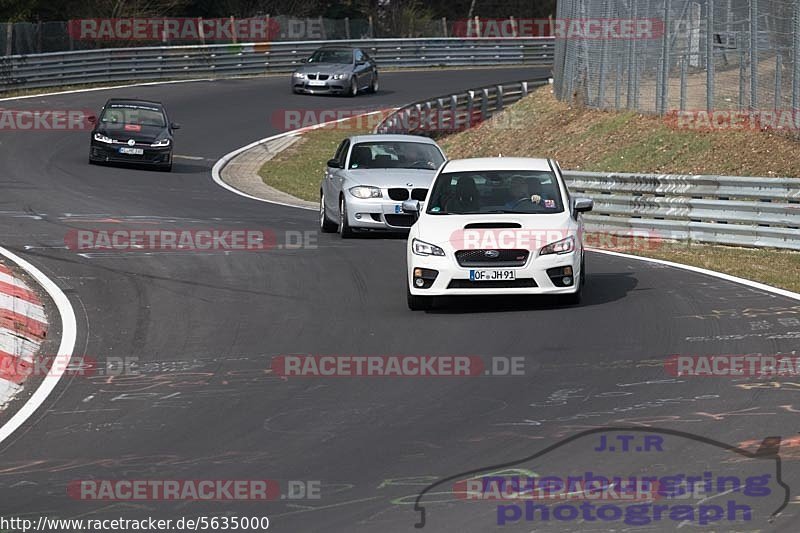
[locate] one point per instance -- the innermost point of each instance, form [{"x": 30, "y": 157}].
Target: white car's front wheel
[
  {"x": 418, "y": 303},
  {"x": 345, "y": 230}
]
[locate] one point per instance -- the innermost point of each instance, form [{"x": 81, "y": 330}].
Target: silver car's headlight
[
  {"x": 365, "y": 191},
  {"x": 299, "y": 75},
  {"x": 423, "y": 248},
  {"x": 161, "y": 142},
  {"x": 102, "y": 138},
  {"x": 340, "y": 76},
  {"x": 564, "y": 246}
]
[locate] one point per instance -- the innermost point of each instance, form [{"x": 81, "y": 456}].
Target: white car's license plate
[
  {"x": 131, "y": 151},
  {"x": 492, "y": 275},
  {"x": 316, "y": 83}
]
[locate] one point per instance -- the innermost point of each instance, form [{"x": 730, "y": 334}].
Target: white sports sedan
[
  {"x": 496, "y": 226},
  {"x": 369, "y": 178}
]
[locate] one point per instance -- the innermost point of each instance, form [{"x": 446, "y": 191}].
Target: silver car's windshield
[
  {"x": 518, "y": 192},
  {"x": 331, "y": 56},
  {"x": 384, "y": 154}
]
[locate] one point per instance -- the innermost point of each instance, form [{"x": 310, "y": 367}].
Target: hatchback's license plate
[
  {"x": 492, "y": 275},
  {"x": 131, "y": 151}
]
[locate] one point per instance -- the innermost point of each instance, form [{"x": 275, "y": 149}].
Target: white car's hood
[{"x": 506, "y": 230}]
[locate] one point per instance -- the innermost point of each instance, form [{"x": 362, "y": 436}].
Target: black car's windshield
[
  {"x": 517, "y": 191},
  {"x": 139, "y": 115},
  {"x": 331, "y": 56},
  {"x": 385, "y": 154}
]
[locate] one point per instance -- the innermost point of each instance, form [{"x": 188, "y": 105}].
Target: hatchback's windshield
[
  {"x": 133, "y": 114},
  {"x": 331, "y": 56},
  {"x": 383, "y": 154},
  {"x": 521, "y": 192}
]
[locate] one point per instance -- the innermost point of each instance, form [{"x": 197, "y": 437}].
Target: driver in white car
[{"x": 521, "y": 192}]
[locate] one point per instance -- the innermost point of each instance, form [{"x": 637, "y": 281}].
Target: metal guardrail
[
  {"x": 741, "y": 211},
  {"x": 456, "y": 112},
  {"x": 179, "y": 62}
]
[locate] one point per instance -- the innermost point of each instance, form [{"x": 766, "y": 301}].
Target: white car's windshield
[
  {"x": 519, "y": 192},
  {"x": 384, "y": 154}
]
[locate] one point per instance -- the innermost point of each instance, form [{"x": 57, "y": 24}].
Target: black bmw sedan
[{"x": 133, "y": 131}]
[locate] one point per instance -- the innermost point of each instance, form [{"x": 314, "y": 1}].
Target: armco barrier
[
  {"x": 456, "y": 111},
  {"x": 177, "y": 62},
  {"x": 742, "y": 211}
]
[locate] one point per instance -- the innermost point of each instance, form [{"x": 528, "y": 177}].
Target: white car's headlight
[
  {"x": 340, "y": 76},
  {"x": 564, "y": 246},
  {"x": 365, "y": 191},
  {"x": 299, "y": 75},
  {"x": 423, "y": 248},
  {"x": 161, "y": 142},
  {"x": 102, "y": 138}
]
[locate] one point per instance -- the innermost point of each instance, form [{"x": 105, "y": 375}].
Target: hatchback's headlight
[
  {"x": 365, "y": 191},
  {"x": 161, "y": 142},
  {"x": 564, "y": 246},
  {"x": 340, "y": 76},
  {"x": 423, "y": 248},
  {"x": 99, "y": 137}
]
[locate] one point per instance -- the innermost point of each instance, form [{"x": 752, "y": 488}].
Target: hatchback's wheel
[
  {"x": 418, "y": 303},
  {"x": 325, "y": 225},
  {"x": 344, "y": 226}
]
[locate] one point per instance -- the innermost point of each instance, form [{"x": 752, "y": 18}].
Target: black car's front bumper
[{"x": 109, "y": 153}]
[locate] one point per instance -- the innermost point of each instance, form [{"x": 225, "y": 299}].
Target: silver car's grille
[
  {"x": 318, "y": 76},
  {"x": 398, "y": 195}
]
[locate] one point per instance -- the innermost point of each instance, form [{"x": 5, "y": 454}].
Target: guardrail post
[
  {"x": 454, "y": 111},
  {"x": 470, "y": 108},
  {"x": 499, "y": 105},
  {"x": 484, "y": 104},
  {"x": 523, "y": 89}
]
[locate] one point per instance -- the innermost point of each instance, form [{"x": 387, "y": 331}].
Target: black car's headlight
[
  {"x": 99, "y": 137},
  {"x": 423, "y": 248},
  {"x": 161, "y": 143}
]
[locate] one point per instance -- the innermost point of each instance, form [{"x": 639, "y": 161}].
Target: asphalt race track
[{"x": 204, "y": 327}]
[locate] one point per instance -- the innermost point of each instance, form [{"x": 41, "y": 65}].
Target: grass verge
[{"x": 298, "y": 170}]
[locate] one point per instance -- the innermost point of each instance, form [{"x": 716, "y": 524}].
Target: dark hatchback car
[
  {"x": 336, "y": 70},
  {"x": 138, "y": 132}
]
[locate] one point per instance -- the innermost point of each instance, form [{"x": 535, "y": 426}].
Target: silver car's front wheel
[
  {"x": 353, "y": 87},
  {"x": 345, "y": 230},
  {"x": 325, "y": 225}
]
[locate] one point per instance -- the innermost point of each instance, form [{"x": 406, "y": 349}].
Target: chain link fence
[{"x": 737, "y": 55}]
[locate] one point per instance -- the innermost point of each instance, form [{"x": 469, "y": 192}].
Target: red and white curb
[{"x": 23, "y": 326}]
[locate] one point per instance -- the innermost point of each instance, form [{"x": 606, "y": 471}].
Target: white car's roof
[
  {"x": 496, "y": 163},
  {"x": 391, "y": 138}
]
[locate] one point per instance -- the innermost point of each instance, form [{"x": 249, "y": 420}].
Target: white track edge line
[
  {"x": 104, "y": 88},
  {"x": 69, "y": 334},
  {"x": 699, "y": 270},
  {"x": 216, "y": 170}
]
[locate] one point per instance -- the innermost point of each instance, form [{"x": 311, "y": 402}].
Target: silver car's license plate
[
  {"x": 131, "y": 151},
  {"x": 315, "y": 83},
  {"x": 492, "y": 275}
]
